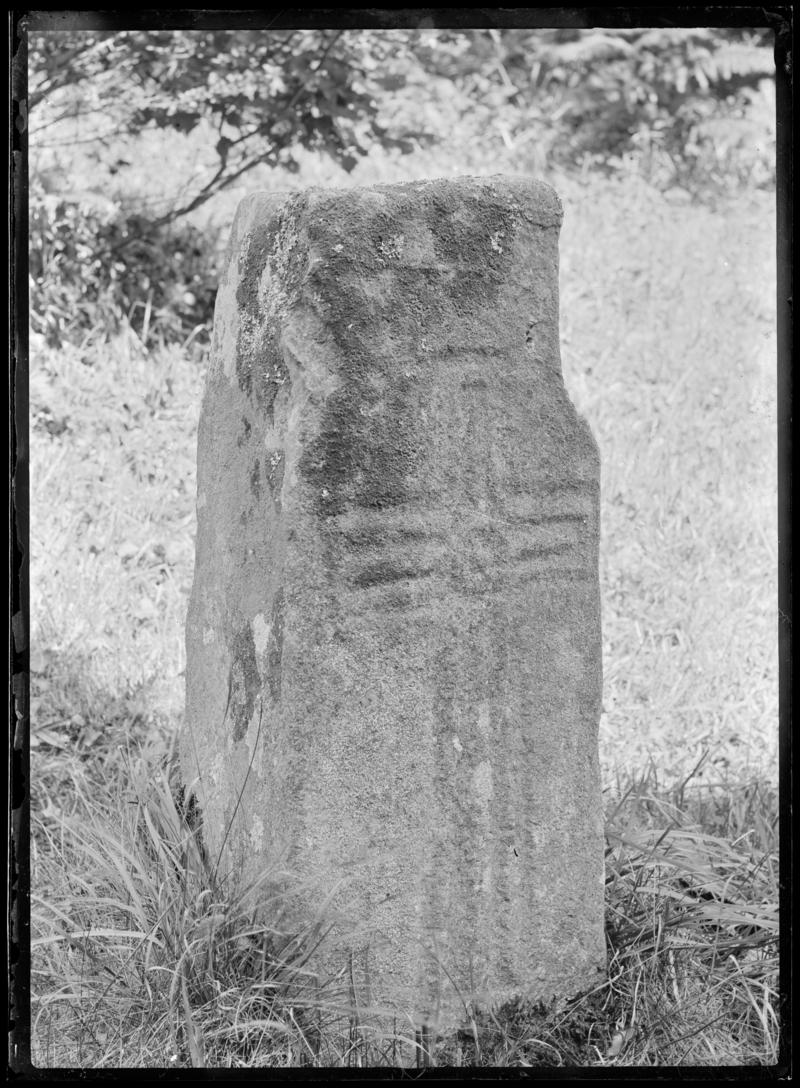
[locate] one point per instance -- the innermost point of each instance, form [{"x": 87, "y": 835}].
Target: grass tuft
[{"x": 146, "y": 959}]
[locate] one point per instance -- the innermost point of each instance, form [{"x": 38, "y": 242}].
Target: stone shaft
[{"x": 393, "y": 642}]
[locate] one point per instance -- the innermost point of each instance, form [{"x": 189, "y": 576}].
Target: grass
[
  {"x": 148, "y": 959},
  {"x": 669, "y": 351},
  {"x": 141, "y": 958}
]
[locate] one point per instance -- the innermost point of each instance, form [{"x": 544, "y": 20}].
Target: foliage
[
  {"x": 604, "y": 93},
  {"x": 264, "y": 96},
  {"x": 95, "y": 268},
  {"x": 600, "y": 95},
  {"x": 265, "y": 93},
  {"x": 689, "y": 107}
]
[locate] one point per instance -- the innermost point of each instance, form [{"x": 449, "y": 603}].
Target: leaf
[
  {"x": 193, "y": 1036},
  {"x": 108, "y": 934}
]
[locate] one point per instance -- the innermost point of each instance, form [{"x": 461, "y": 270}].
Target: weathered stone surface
[{"x": 393, "y": 673}]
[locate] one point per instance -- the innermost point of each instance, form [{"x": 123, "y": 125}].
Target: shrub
[{"x": 95, "y": 267}]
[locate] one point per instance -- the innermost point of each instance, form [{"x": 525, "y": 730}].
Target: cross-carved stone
[{"x": 394, "y": 659}]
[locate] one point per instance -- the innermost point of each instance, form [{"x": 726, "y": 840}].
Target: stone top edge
[{"x": 539, "y": 197}]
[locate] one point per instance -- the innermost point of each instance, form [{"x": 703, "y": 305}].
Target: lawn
[{"x": 668, "y": 345}]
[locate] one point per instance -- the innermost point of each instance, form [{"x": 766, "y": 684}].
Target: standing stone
[{"x": 394, "y": 659}]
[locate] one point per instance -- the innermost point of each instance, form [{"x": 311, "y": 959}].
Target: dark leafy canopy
[
  {"x": 600, "y": 93},
  {"x": 265, "y": 93},
  {"x": 605, "y": 92},
  {"x": 676, "y": 100},
  {"x": 262, "y": 95}
]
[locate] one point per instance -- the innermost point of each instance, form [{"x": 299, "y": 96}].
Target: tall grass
[
  {"x": 141, "y": 958},
  {"x": 144, "y": 958}
]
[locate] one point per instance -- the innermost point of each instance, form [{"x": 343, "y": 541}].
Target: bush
[
  {"x": 97, "y": 268},
  {"x": 681, "y": 107}
]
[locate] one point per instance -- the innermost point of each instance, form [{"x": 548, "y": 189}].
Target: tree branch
[
  {"x": 64, "y": 76},
  {"x": 215, "y": 185}
]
